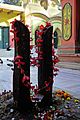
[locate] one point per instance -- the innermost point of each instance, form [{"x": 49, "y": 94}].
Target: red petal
[
  {"x": 41, "y": 27},
  {"x": 31, "y": 46},
  {"x": 39, "y": 45},
  {"x": 22, "y": 71},
  {"x": 12, "y": 31},
  {"x": 17, "y": 39},
  {"x": 25, "y": 78},
  {"x": 18, "y": 57},
  {"x": 32, "y": 87},
  {"x": 56, "y": 69}
]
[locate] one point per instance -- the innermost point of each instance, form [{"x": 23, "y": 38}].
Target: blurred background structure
[{"x": 64, "y": 15}]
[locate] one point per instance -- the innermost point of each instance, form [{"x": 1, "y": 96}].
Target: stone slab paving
[
  {"x": 4, "y": 53},
  {"x": 67, "y": 79},
  {"x": 6, "y": 75},
  {"x": 69, "y": 65}
]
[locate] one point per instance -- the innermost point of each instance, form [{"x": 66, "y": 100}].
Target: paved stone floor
[
  {"x": 69, "y": 65},
  {"x": 67, "y": 79},
  {"x": 6, "y": 76}
]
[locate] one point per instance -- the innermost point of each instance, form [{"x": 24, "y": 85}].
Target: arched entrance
[{"x": 57, "y": 38}]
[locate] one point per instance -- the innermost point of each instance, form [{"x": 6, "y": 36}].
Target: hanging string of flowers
[
  {"x": 36, "y": 60},
  {"x": 18, "y": 60}
]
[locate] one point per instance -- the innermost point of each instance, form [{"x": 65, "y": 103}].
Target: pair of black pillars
[{"x": 21, "y": 93}]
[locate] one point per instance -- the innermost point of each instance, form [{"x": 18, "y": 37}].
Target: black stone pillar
[
  {"x": 21, "y": 92},
  {"x": 45, "y": 71}
]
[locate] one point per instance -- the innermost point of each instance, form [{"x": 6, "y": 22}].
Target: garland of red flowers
[
  {"x": 18, "y": 60},
  {"x": 36, "y": 60}
]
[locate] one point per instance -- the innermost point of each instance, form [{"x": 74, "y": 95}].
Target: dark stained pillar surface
[
  {"x": 21, "y": 93},
  {"x": 45, "y": 71}
]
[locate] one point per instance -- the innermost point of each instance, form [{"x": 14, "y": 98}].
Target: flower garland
[
  {"x": 35, "y": 61},
  {"x": 18, "y": 60}
]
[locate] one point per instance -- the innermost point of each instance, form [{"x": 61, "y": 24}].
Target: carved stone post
[
  {"x": 21, "y": 90},
  {"x": 45, "y": 71}
]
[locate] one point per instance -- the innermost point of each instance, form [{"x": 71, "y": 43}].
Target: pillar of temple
[{"x": 70, "y": 28}]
